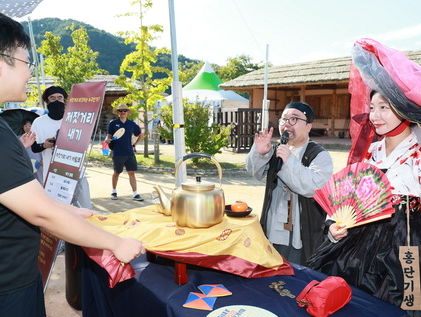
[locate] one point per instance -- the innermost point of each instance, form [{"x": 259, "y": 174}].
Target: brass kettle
[{"x": 197, "y": 204}]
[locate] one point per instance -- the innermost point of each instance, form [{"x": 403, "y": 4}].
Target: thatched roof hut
[{"x": 322, "y": 83}]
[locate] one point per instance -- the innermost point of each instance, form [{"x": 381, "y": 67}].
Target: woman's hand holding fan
[{"x": 358, "y": 194}]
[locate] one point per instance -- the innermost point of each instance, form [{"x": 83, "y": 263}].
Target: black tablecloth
[{"x": 153, "y": 292}]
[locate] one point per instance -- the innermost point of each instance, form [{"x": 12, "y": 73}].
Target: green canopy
[
  {"x": 205, "y": 79},
  {"x": 205, "y": 88}
]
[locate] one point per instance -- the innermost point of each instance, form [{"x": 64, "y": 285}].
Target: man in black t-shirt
[{"x": 24, "y": 206}]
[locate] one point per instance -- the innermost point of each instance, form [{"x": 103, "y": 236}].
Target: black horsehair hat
[
  {"x": 304, "y": 108},
  {"x": 53, "y": 90}
]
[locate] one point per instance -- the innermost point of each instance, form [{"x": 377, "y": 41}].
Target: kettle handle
[{"x": 202, "y": 155}]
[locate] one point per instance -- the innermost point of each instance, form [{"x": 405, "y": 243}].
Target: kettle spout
[{"x": 164, "y": 202}]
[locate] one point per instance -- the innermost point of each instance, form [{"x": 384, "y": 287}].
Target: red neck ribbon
[{"x": 399, "y": 129}]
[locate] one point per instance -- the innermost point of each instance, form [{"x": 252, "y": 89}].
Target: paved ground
[{"x": 236, "y": 187}]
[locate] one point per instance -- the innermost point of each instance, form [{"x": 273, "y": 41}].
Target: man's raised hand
[{"x": 262, "y": 140}]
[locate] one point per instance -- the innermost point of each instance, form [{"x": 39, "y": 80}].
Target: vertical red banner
[{"x": 67, "y": 164}]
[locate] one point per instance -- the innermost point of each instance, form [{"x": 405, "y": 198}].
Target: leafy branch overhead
[
  {"x": 138, "y": 72},
  {"x": 138, "y": 69},
  {"x": 76, "y": 64},
  {"x": 236, "y": 66}
]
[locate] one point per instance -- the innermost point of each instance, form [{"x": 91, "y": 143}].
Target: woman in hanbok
[{"x": 368, "y": 256}]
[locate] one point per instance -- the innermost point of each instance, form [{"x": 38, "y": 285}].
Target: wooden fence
[{"x": 245, "y": 122}]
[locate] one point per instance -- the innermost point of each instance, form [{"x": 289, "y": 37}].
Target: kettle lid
[{"x": 198, "y": 185}]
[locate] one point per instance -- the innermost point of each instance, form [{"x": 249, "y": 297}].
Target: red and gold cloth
[{"x": 236, "y": 245}]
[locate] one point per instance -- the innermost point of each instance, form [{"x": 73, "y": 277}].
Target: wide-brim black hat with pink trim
[{"x": 392, "y": 74}]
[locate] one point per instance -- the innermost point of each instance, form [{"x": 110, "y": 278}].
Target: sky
[{"x": 294, "y": 30}]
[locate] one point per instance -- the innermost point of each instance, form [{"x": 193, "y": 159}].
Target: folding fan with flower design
[{"x": 358, "y": 194}]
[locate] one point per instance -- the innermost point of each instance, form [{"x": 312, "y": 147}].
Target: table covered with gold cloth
[{"x": 236, "y": 245}]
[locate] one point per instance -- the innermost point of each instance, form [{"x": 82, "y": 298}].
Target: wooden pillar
[
  {"x": 240, "y": 130},
  {"x": 303, "y": 93},
  {"x": 257, "y": 97},
  {"x": 334, "y": 110}
]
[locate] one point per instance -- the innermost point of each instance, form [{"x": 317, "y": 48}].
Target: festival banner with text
[{"x": 67, "y": 164}]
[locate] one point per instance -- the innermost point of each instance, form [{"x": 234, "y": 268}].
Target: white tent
[{"x": 18, "y": 9}]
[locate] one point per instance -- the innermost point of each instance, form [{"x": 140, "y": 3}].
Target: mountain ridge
[{"x": 111, "y": 48}]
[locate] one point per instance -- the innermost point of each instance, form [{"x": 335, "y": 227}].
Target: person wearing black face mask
[
  {"x": 56, "y": 110},
  {"x": 46, "y": 126}
]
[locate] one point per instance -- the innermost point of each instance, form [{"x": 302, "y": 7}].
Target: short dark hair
[{"x": 12, "y": 36}]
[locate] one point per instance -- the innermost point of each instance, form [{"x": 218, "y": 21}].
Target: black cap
[
  {"x": 53, "y": 90},
  {"x": 377, "y": 78},
  {"x": 304, "y": 108}
]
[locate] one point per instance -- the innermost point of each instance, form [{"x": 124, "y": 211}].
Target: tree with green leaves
[
  {"x": 200, "y": 136},
  {"x": 137, "y": 72},
  {"x": 33, "y": 96},
  {"x": 188, "y": 70},
  {"x": 76, "y": 65},
  {"x": 236, "y": 66}
]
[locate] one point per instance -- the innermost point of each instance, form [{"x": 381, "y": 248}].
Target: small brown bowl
[{"x": 231, "y": 213}]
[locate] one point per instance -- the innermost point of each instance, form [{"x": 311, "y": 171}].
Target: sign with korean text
[
  {"x": 73, "y": 139},
  {"x": 410, "y": 262},
  {"x": 67, "y": 163},
  {"x": 47, "y": 255}
]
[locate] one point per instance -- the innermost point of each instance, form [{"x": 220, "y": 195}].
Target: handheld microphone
[
  {"x": 284, "y": 140},
  {"x": 285, "y": 137}
]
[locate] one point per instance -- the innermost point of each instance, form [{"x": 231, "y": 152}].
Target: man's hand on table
[
  {"x": 128, "y": 249},
  {"x": 84, "y": 212}
]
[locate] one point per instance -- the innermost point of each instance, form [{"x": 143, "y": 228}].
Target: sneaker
[
  {"x": 114, "y": 196},
  {"x": 138, "y": 198}
]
